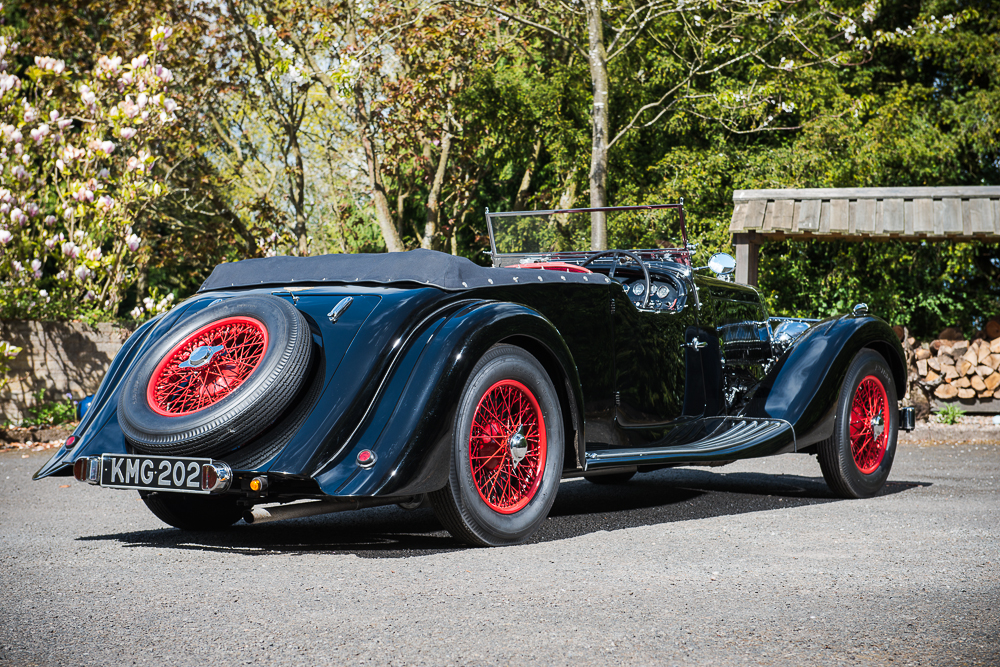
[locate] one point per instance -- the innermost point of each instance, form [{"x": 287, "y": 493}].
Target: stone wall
[{"x": 59, "y": 357}]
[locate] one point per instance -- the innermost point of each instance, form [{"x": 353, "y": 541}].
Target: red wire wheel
[
  {"x": 508, "y": 414},
  {"x": 869, "y": 424},
  {"x": 207, "y": 366}
]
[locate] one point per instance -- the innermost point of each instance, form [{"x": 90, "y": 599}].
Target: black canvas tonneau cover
[{"x": 422, "y": 267}]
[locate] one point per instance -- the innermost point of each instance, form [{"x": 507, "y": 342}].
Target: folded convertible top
[{"x": 423, "y": 267}]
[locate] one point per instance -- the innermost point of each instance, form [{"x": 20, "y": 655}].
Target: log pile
[{"x": 958, "y": 368}]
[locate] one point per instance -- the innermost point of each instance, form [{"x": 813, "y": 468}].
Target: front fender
[
  {"x": 410, "y": 430},
  {"x": 804, "y": 385}
]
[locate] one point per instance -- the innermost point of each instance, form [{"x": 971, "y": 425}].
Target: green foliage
[
  {"x": 895, "y": 94},
  {"x": 949, "y": 414},
  {"x": 50, "y": 413}
]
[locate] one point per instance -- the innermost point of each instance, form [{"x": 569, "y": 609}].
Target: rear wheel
[
  {"x": 857, "y": 458},
  {"x": 193, "y": 512},
  {"x": 507, "y": 452}
]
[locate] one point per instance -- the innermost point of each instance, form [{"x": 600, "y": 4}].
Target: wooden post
[{"x": 746, "y": 257}]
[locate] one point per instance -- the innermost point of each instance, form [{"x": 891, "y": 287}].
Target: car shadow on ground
[{"x": 580, "y": 508}]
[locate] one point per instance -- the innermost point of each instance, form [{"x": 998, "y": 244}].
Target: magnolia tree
[{"x": 75, "y": 177}]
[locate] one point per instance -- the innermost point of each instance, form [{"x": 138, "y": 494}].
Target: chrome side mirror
[{"x": 722, "y": 264}]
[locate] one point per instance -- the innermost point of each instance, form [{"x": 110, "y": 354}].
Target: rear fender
[
  {"x": 410, "y": 431},
  {"x": 804, "y": 385},
  {"x": 98, "y": 432}
]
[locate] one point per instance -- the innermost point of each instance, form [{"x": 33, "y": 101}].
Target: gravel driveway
[{"x": 753, "y": 563}]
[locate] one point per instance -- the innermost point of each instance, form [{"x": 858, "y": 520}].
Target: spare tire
[{"x": 218, "y": 379}]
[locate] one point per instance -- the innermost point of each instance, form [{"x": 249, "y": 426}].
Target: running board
[{"x": 746, "y": 436}]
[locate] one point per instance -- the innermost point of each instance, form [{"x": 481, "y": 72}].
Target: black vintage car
[{"x": 294, "y": 386}]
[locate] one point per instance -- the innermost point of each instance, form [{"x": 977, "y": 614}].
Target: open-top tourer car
[{"x": 294, "y": 386}]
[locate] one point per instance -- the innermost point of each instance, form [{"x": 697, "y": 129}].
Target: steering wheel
[{"x": 645, "y": 271}]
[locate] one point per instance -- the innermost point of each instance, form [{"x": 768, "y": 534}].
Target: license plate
[{"x": 152, "y": 473}]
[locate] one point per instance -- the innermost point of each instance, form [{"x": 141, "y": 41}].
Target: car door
[{"x": 660, "y": 385}]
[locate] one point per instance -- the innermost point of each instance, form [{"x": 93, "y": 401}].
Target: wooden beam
[
  {"x": 987, "y": 191},
  {"x": 747, "y": 255}
]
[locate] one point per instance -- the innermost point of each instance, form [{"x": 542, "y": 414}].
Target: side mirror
[{"x": 722, "y": 264}]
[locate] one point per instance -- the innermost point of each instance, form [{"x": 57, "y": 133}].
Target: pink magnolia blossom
[
  {"x": 63, "y": 123},
  {"x": 94, "y": 255},
  {"x": 133, "y": 242},
  {"x": 19, "y": 172},
  {"x": 5, "y": 236},
  {"x": 105, "y": 203},
  {"x": 71, "y": 249},
  {"x": 89, "y": 296},
  {"x": 68, "y": 213},
  {"x": 18, "y": 267},
  {"x": 31, "y": 209},
  {"x": 51, "y": 243},
  {"x": 87, "y": 95},
  {"x": 54, "y": 115},
  {"x": 36, "y": 267},
  {"x": 18, "y": 216},
  {"x": 164, "y": 74},
  {"x": 16, "y": 136},
  {"x": 169, "y": 105},
  {"x": 141, "y": 99},
  {"x": 18, "y": 149},
  {"x": 4, "y": 209},
  {"x": 107, "y": 147},
  {"x": 82, "y": 272},
  {"x": 127, "y": 132},
  {"x": 62, "y": 275},
  {"x": 140, "y": 61}
]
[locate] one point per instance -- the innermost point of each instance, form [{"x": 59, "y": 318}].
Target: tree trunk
[
  {"x": 597, "y": 56},
  {"x": 393, "y": 243},
  {"x": 383, "y": 214},
  {"x": 522, "y": 191},
  {"x": 433, "y": 207},
  {"x": 296, "y": 182}
]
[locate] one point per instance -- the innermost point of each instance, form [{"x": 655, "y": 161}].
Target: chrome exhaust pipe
[{"x": 298, "y": 510}]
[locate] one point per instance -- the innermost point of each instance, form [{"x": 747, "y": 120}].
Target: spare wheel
[{"x": 218, "y": 379}]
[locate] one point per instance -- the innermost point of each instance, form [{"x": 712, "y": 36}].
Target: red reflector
[
  {"x": 366, "y": 458},
  {"x": 209, "y": 477},
  {"x": 70, "y": 441},
  {"x": 80, "y": 469}
]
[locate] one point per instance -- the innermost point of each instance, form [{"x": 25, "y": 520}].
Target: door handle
[{"x": 695, "y": 344}]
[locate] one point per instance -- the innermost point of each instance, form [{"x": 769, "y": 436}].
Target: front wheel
[
  {"x": 857, "y": 458},
  {"x": 507, "y": 452}
]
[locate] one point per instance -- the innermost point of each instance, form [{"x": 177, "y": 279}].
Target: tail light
[
  {"x": 216, "y": 477},
  {"x": 88, "y": 469}
]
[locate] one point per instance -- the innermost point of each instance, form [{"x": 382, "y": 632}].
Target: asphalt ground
[{"x": 754, "y": 563}]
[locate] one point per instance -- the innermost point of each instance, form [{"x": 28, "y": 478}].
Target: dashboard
[{"x": 664, "y": 293}]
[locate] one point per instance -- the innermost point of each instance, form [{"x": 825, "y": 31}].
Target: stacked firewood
[{"x": 958, "y": 368}]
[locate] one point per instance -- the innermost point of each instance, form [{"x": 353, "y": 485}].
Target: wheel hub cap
[
  {"x": 518, "y": 445},
  {"x": 201, "y": 356}
]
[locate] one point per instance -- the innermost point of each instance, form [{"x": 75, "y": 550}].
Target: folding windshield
[{"x": 521, "y": 236}]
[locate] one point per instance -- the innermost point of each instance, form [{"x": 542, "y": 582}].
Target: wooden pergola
[{"x": 860, "y": 214}]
